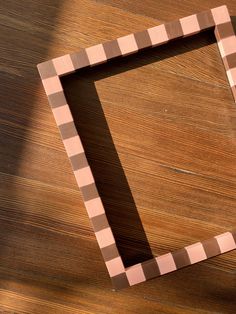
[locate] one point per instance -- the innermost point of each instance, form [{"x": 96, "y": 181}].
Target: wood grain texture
[{"x": 159, "y": 131}]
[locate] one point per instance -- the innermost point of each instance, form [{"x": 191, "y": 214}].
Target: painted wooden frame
[{"x": 219, "y": 21}]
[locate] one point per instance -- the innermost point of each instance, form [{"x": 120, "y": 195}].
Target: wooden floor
[{"x": 159, "y": 129}]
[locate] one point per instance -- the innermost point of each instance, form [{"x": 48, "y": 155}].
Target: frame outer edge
[{"x": 208, "y": 247}]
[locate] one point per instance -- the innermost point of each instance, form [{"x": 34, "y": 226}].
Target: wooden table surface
[{"x": 159, "y": 129}]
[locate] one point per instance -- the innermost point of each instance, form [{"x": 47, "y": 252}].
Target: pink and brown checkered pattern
[{"x": 217, "y": 19}]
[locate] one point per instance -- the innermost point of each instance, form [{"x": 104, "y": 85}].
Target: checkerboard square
[
  {"x": 115, "y": 266},
  {"x": 94, "y": 207},
  {"x": 104, "y": 237},
  {"x": 135, "y": 274},
  {"x": 62, "y": 115},
  {"x": 232, "y": 77},
  {"x": 227, "y": 46},
  {"x": 84, "y": 176},
  {"x": 158, "y": 35},
  {"x": 220, "y": 15},
  {"x": 73, "y": 146},
  {"x": 96, "y": 54},
  {"x": 166, "y": 263},
  {"x": 127, "y": 44},
  {"x": 63, "y": 65},
  {"x": 52, "y": 85},
  {"x": 196, "y": 253},
  {"x": 190, "y": 25},
  {"x": 226, "y": 242}
]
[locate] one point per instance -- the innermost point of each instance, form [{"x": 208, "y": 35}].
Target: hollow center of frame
[{"x": 158, "y": 132}]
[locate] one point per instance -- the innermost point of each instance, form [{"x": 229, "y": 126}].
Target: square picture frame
[{"x": 216, "y": 19}]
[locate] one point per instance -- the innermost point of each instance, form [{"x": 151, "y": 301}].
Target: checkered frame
[{"x": 217, "y": 19}]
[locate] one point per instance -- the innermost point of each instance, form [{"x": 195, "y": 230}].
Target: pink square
[
  {"x": 221, "y": 14},
  {"x": 196, "y": 252},
  {"x": 62, "y": 114},
  {"x": 63, "y": 64},
  {"x": 232, "y": 77},
  {"x": 135, "y": 274},
  {"x": 227, "y": 46},
  {"x": 73, "y": 146},
  {"x": 94, "y": 207},
  {"x": 127, "y": 44},
  {"x": 158, "y": 35},
  {"x": 115, "y": 266},
  {"x": 52, "y": 85},
  {"x": 190, "y": 25},
  {"x": 84, "y": 176},
  {"x": 226, "y": 242},
  {"x": 96, "y": 54},
  {"x": 104, "y": 237},
  {"x": 166, "y": 263}
]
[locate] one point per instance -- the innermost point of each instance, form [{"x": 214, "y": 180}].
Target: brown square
[
  {"x": 79, "y": 161},
  {"x": 174, "y": 30},
  {"x": 89, "y": 192},
  {"x": 112, "y": 49},
  {"x": 57, "y": 99},
  {"x": 150, "y": 269},
  {"x": 143, "y": 39},
  {"x": 80, "y": 59},
  {"x": 110, "y": 252},
  {"x": 99, "y": 222},
  {"x": 211, "y": 247},
  {"x": 181, "y": 258},
  {"x": 230, "y": 61},
  {"x": 226, "y": 30},
  {"x": 46, "y": 69},
  {"x": 68, "y": 130},
  {"x": 205, "y": 19},
  {"x": 120, "y": 281}
]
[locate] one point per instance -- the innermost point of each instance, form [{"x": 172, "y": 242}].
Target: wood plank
[{"x": 164, "y": 11}]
